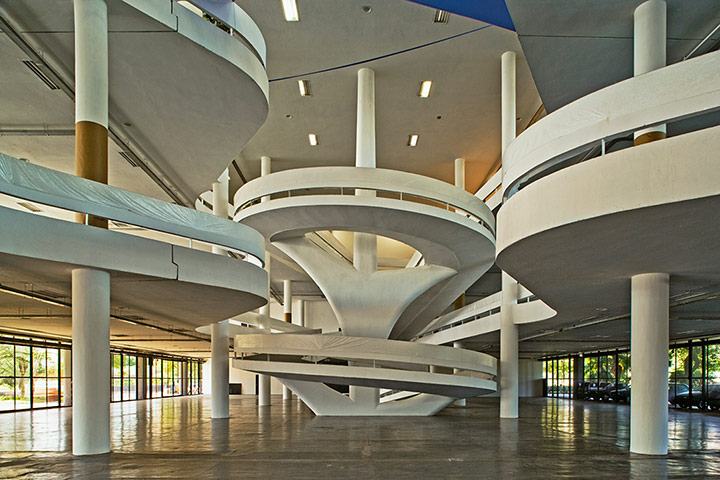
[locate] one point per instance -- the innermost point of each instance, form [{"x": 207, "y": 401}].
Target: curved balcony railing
[
  {"x": 237, "y": 22},
  {"x": 49, "y": 187},
  {"x": 673, "y": 93},
  {"x": 402, "y": 186}
]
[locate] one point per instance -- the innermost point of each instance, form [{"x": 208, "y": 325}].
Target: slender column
[
  {"x": 650, "y": 334},
  {"x": 508, "y": 329},
  {"x": 460, "y": 173},
  {"x": 265, "y": 166},
  {"x": 461, "y": 402},
  {"x": 301, "y": 313},
  {"x": 91, "y": 361},
  {"x": 66, "y": 387},
  {"x": 508, "y": 350},
  {"x": 220, "y": 380},
  {"x": 220, "y": 332},
  {"x": 287, "y": 311},
  {"x": 365, "y": 244},
  {"x": 264, "y": 380},
  {"x": 649, "y": 53},
  {"x": 91, "y": 288}
]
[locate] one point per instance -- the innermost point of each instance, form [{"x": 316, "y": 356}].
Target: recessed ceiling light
[
  {"x": 366, "y": 9},
  {"x": 312, "y": 138},
  {"x": 304, "y": 87},
  {"x": 441, "y": 16},
  {"x": 412, "y": 141},
  {"x": 424, "y": 91},
  {"x": 288, "y": 115},
  {"x": 290, "y": 10}
]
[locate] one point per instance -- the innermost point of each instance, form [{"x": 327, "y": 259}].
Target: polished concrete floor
[{"x": 175, "y": 438}]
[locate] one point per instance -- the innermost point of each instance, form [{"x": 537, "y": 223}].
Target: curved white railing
[
  {"x": 234, "y": 17},
  {"x": 671, "y": 93},
  {"x": 408, "y": 186},
  {"x": 49, "y": 187}
]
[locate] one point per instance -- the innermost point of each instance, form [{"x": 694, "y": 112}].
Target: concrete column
[
  {"x": 460, "y": 173},
  {"x": 265, "y": 169},
  {"x": 220, "y": 380},
  {"x": 287, "y": 313},
  {"x": 301, "y": 313},
  {"x": 508, "y": 350},
  {"x": 66, "y": 386},
  {"x": 461, "y": 402},
  {"x": 650, "y": 334},
  {"x": 91, "y": 288},
  {"x": 508, "y": 329},
  {"x": 365, "y": 244},
  {"x": 141, "y": 378},
  {"x": 264, "y": 380},
  {"x": 649, "y": 53},
  {"x": 91, "y": 361},
  {"x": 219, "y": 332}
]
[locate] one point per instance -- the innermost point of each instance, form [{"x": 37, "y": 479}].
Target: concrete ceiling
[{"x": 398, "y": 39}]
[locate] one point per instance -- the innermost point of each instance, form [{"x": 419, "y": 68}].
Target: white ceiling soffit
[{"x": 399, "y": 40}]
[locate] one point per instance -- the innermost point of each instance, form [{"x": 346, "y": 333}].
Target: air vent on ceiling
[
  {"x": 29, "y": 206},
  {"x": 39, "y": 73},
  {"x": 441, "y": 16},
  {"x": 128, "y": 158}
]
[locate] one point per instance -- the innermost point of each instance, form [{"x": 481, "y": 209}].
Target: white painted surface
[
  {"x": 650, "y": 323},
  {"x": 650, "y": 44},
  {"x": 460, "y": 173},
  {"x": 91, "y": 361},
  {"x": 508, "y": 99},
  {"x": 287, "y": 308},
  {"x": 365, "y": 128},
  {"x": 219, "y": 343},
  {"x": 91, "y": 61},
  {"x": 508, "y": 349}
]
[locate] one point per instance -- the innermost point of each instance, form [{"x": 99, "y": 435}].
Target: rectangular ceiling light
[
  {"x": 290, "y": 10},
  {"x": 424, "y": 91},
  {"x": 312, "y": 138},
  {"x": 441, "y": 16},
  {"x": 412, "y": 141},
  {"x": 29, "y": 206},
  {"x": 304, "y": 86}
]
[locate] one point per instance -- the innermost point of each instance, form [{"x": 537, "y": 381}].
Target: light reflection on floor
[{"x": 175, "y": 438}]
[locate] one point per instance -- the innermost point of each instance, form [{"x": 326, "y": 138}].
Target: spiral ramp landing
[
  {"x": 452, "y": 230},
  {"x": 645, "y": 208}
]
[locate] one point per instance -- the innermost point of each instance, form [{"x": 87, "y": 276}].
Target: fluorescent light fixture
[
  {"x": 312, "y": 138},
  {"x": 413, "y": 140},
  {"x": 304, "y": 87},
  {"x": 424, "y": 91},
  {"x": 29, "y": 206},
  {"x": 290, "y": 10},
  {"x": 441, "y": 16}
]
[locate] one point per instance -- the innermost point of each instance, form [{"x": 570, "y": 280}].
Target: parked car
[
  {"x": 676, "y": 389},
  {"x": 688, "y": 399},
  {"x": 618, "y": 393},
  {"x": 713, "y": 397},
  {"x": 599, "y": 390},
  {"x": 583, "y": 390}
]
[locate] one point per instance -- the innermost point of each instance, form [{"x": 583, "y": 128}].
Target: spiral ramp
[{"x": 379, "y": 312}]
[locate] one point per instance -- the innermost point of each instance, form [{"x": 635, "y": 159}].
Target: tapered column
[
  {"x": 91, "y": 361},
  {"x": 287, "y": 313},
  {"x": 66, "y": 387},
  {"x": 91, "y": 288},
  {"x": 365, "y": 244},
  {"x": 650, "y": 330},
  {"x": 508, "y": 329},
  {"x": 649, "y": 53},
  {"x": 461, "y": 402},
  {"x": 508, "y": 350},
  {"x": 219, "y": 332}
]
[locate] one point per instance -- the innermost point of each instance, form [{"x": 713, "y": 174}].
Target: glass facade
[
  {"x": 36, "y": 373},
  {"x": 693, "y": 375}
]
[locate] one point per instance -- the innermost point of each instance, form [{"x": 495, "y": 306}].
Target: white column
[
  {"x": 649, "y": 318},
  {"x": 365, "y": 244},
  {"x": 220, "y": 381},
  {"x": 649, "y": 52},
  {"x": 461, "y": 402},
  {"x": 91, "y": 361},
  {"x": 265, "y": 169},
  {"x": 301, "y": 313},
  {"x": 219, "y": 332},
  {"x": 287, "y": 311},
  {"x": 91, "y": 61},
  {"x": 460, "y": 173},
  {"x": 66, "y": 386},
  {"x": 508, "y": 329},
  {"x": 508, "y": 350}
]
